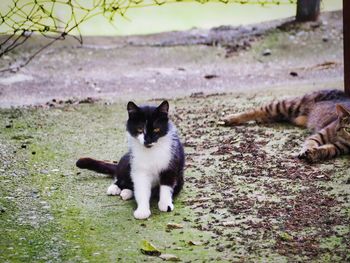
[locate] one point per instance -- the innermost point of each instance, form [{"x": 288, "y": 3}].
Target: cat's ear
[
  {"x": 132, "y": 107},
  {"x": 342, "y": 111},
  {"x": 163, "y": 107}
]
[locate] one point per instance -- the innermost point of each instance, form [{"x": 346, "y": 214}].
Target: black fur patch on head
[{"x": 148, "y": 120}]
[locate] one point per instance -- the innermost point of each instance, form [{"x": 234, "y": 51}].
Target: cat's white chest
[{"x": 150, "y": 162}]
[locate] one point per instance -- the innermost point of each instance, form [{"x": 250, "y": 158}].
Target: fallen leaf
[
  {"x": 285, "y": 236},
  {"x": 148, "y": 248},
  {"x": 174, "y": 226},
  {"x": 169, "y": 257},
  {"x": 229, "y": 223}
]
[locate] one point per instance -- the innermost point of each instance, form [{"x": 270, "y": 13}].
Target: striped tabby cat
[{"x": 326, "y": 113}]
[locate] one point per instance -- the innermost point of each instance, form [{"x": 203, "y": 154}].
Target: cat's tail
[{"x": 97, "y": 166}]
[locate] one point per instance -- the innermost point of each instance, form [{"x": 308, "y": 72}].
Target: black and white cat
[{"x": 154, "y": 163}]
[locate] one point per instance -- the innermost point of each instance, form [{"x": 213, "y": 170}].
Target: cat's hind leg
[
  {"x": 238, "y": 118},
  {"x": 300, "y": 121},
  {"x": 275, "y": 111},
  {"x": 126, "y": 194},
  {"x": 113, "y": 189}
]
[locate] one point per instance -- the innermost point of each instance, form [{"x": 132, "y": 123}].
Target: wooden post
[
  {"x": 307, "y": 10},
  {"x": 346, "y": 37}
]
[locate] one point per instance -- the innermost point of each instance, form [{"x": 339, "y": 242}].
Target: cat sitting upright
[
  {"x": 326, "y": 112},
  {"x": 154, "y": 163}
]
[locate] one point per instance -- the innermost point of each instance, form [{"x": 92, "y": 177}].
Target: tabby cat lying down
[{"x": 326, "y": 113}]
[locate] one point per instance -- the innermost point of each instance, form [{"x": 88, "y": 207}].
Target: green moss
[
  {"x": 55, "y": 212},
  {"x": 82, "y": 225}
]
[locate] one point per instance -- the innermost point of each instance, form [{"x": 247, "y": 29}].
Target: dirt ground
[
  {"x": 177, "y": 64},
  {"x": 247, "y": 198}
]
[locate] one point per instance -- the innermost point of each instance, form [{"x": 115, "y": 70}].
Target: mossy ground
[{"x": 246, "y": 196}]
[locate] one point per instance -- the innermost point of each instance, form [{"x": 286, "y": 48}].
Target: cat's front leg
[
  {"x": 323, "y": 152},
  {"x": 168, "y": 179},
  {"x": 309, "y": 152},
  {"x": 310, "y": 155},
  {"x": 165, "y": 203},
  {"x": 142, "y": 192}
]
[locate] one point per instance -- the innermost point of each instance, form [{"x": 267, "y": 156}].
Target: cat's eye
[
  {"x": 347, "y": 130},
  {"x": 140, "y": 130},
  {"x": 156, "y": 130}
]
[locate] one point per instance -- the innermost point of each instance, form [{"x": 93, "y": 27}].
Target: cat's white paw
[
  {"x": 142, "y": 213},
  {"x": 126, "y": 194},
  {"x": 113, "y": 189},
  {"x": 165, "y": 206}
]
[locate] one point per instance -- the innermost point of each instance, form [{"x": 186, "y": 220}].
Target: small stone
[
  {"x": 211, "y": 76},
  {"x": 169, "y": 257},
  {"x": 267, "y": 52},
  {"x": 220, "y": 248},
  {"x": 194, "y": 243}
]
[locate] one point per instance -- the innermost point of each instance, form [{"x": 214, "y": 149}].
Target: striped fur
[{"x": 326, "y": 113}]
